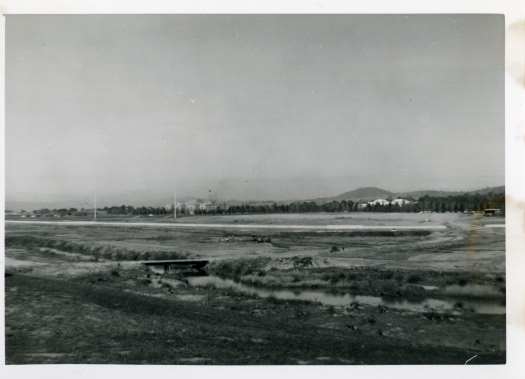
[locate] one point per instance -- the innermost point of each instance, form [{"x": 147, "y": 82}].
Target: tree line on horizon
[{"x": 453, "y": 203}]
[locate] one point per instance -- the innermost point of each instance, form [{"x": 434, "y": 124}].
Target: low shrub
[
  {"x": 302, "y": 262},
  {"x": 414, "y": 278},
  {"x": 238, "y": 268},
  {"x": 414, "y": 291},
  {"x": 115, "y": 272}
]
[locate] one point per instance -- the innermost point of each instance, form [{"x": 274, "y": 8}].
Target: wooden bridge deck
[{"x": 177, "y": 263}]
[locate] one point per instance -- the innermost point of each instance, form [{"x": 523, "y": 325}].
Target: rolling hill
[{"x": 372, "y": 193}]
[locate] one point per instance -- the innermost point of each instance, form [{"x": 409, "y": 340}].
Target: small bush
[
  {"x": 161, "y": 255},
  {"x": 117, "y": 255},
  {"x": 302, "y": 262},
  {"x": 414, "y": 291},
  {"x": 414, "y": 278},
  {"x": 115, "y": 272},
  {"x": 399, "y": 278},
  {"x": 387, "y": 286},
  {"x": 133, "y": 255}
]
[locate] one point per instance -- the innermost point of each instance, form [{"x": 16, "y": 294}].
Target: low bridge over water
[{"x": 174, "y": 264}]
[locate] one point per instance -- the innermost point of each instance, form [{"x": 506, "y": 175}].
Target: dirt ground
[{"x": 79, "y": 294}]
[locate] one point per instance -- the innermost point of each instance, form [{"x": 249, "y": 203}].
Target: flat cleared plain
[{"x": 280, "y": 289}]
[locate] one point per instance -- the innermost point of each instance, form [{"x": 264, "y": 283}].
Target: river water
[{"x": 455, "y": 306}]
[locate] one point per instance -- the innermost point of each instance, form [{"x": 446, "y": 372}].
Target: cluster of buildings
[
  {"x": 384, "y": 202},
  {"x": 192, "y": 207}
]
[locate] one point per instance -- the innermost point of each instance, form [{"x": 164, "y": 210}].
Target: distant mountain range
[{"x": 372, "y": 193}]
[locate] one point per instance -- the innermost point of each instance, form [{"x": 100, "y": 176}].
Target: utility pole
[
  {"x": 95, "y": 209},
  {"x": 174, "y": 205}
]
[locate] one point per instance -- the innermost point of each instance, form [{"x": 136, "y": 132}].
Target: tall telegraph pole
[{"x": 174, "y": 205}]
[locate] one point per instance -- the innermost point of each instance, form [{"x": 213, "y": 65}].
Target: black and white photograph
[{"x": 255, "y": 189}]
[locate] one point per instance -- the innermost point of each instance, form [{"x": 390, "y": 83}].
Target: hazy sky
[{"x": 251, "y": 106}]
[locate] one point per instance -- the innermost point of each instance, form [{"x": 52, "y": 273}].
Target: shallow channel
[{"x": 489, "y": 306}]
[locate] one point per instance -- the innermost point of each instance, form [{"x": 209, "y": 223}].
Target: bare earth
[{"x": 283, "y": 289}]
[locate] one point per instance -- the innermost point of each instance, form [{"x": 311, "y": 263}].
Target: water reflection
[{"x": 326, "y": 298}]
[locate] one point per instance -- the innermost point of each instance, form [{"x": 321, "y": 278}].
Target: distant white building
[
  {"x": 178, "y": 206},
  {"x": 379, "y": 202},
  {"x": 400, "y": 202},
  {"x": 190, "y": 207},
  {"x": 202, "y": 206},
  {"x": 383, "y": 202},
  {"x": 362, "y": 205},
  {"x": 207, "y": 206}
]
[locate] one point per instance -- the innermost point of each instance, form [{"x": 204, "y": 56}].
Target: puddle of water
[
  {"x": 173, "y": 283},
  {"x": 325, "y": 298},
  {"x": 495, "y": 226},
  {"x": 472, "y": 290},
  {"x": 190, "y": 297}
]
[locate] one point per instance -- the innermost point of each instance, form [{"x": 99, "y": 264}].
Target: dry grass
[{"x": 96, "y": 251}]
